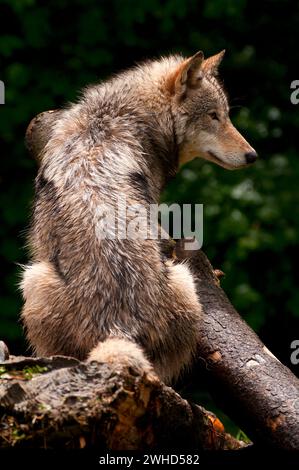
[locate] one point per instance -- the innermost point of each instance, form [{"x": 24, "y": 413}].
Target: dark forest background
[{"x": 49, "y": 50}]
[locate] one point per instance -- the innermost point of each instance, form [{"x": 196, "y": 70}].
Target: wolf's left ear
[
  {"x": 211, "y": 64},
  {"x": 187, "y": 74}
]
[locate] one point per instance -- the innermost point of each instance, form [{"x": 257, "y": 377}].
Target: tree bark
[
  {"x": 258, "y": 392},
  {"x": 60, "y": 402}
]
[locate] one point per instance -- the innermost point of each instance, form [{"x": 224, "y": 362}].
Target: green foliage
[
  {"x": 241, "y": 436},
  {"x": 26, "y": 373},
  {"x": 251, "y": 216},
  {"x": 30, "y": 372}
]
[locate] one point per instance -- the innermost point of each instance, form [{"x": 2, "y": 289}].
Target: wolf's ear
[
  {"x": 211, "y": 64},
  {"x": 187, "y": 74}
]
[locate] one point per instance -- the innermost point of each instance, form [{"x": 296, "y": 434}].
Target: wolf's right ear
[{"x": 187, "y": 74}]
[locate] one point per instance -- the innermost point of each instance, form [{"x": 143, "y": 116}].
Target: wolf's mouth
[
  {"x": 212, "y": 154},
  {"x": 220, "y": 162}
]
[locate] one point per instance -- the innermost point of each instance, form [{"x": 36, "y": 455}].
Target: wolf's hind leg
[{"x": 40, "y": 285}]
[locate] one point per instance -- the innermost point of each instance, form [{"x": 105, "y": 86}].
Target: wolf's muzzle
[{"x": 250, "y": 157}]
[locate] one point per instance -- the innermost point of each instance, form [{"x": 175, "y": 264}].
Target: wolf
[{"x": 123, "y": 300}]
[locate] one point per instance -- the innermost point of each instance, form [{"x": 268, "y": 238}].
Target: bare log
[
  {"x": 60, "y": 402},
  {"x": 255, "y": 389}
]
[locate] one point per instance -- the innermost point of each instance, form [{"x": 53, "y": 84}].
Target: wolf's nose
[{"x": 250, "y": 157}]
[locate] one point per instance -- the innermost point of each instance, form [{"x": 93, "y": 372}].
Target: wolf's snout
[{"x": 250, "y": 157}]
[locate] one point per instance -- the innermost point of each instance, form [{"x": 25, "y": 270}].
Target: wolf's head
[{"x": 201, "y": 114}]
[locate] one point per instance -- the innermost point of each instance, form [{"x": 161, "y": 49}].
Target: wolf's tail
[{"x": 123, "y": 351}]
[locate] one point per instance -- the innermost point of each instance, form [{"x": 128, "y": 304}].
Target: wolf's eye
[{"x": 214, "y": 116}]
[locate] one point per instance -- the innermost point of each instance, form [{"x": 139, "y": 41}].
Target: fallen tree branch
[
  {"x": 258, "y": 392},
  {"x": 63, "y": 403}
]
